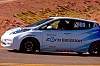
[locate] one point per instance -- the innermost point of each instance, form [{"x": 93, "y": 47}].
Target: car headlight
[{"x": 19, "y": 31}]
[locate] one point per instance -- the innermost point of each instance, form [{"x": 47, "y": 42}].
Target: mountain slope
[{"x": 88, "y": 9}]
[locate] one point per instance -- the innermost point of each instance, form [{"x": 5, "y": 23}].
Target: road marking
[{"x": 18, "y": 64}]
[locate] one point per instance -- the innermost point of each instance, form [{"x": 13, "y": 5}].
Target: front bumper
[
  {"x": 11, "y": 41},
  {"x": 6, "y": 42}
]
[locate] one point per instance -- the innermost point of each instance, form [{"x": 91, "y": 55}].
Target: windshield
[{"x": 40, "y": 22}]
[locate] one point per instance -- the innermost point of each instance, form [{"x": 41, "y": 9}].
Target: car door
[
  {"x": 56, "y": 39},
  {"x": 77, "y": 43},
  {"x": 80, "y": 41}
]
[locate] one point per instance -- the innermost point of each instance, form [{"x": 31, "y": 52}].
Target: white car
[{"x": 55, "y": 34}]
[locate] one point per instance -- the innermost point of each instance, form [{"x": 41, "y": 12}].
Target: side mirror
[{"x": 49, "y": 27}]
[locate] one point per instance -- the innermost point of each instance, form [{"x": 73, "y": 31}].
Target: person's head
[{"x": 62, "y": 24}]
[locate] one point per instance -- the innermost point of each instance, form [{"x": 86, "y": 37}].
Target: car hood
[{"x": 19, "y": 29}]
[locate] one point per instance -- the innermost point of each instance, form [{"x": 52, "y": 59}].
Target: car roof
[{"x": 74, "y": 19}]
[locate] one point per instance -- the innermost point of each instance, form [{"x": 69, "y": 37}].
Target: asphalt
[{"x": 9, "y": 57}]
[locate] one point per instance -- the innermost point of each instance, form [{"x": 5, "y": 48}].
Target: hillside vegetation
[
  {"x": 31, "y": 16},
  {"x": 16, "y": 13}
]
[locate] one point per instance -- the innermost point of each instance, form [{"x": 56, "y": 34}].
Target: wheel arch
[
  {"x": 92, "y": 43},
  {"x": 37, "y": 42}
]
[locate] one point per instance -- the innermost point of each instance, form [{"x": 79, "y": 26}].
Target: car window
[
  {"x": 40, "y": 22},
  {"x": 65, "y": 24},
  {"x": 95, "y": 25},
  {"x": 81, "y": 25},
  {"x": 60, "y": 24},
  {"x": 53, "y": 24}
]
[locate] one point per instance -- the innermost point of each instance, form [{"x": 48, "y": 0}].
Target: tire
[
  {"x": 80, "y": 53},
  {"x": 28, "y": 45},
  {"x": 94, "y": 49}
]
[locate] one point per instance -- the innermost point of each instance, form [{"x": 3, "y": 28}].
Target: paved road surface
[{"x": 46, "y": 58}]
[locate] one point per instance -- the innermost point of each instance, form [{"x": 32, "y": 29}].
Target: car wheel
[
  {"x": 94, "y": 48},
  {"x": 28, "y": 45},
  {"x": 80, "y": 53}
]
